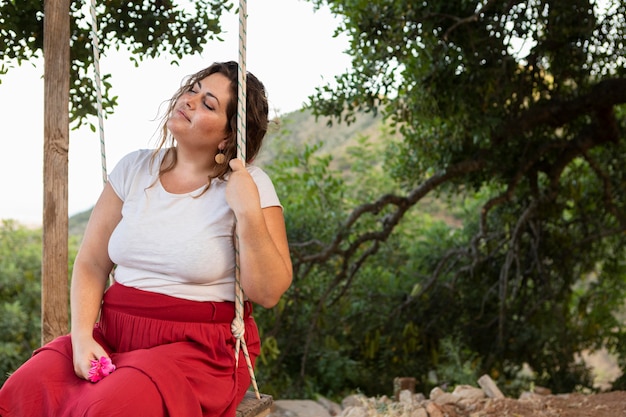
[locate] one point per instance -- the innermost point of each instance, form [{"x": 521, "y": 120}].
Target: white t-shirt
[{"x": 176, "y": 244}]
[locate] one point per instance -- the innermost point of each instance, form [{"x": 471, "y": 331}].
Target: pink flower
[{"x": 100, "y": 368}]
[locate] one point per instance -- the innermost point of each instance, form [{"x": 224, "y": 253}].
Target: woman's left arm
[{"x": 265, "y": 264}]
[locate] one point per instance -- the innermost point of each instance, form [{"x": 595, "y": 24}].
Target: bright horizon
[{"x": 291, "y": 56}]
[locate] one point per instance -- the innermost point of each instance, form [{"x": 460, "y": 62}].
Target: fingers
[
  {"x": 236, "y": 164},
  {"x": 82, "y": 369},
  {"x": 83, "y": 356}
]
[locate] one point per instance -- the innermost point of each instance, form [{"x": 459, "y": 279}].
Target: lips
[{"x": 182, "y": 113}]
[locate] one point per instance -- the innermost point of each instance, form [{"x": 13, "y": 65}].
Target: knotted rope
[{"x": 237, "y": 326}]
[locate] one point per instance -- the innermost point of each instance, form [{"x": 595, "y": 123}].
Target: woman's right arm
[{"x": 89, "y": 278}]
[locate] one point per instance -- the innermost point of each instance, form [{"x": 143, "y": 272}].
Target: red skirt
[{"x": 173, "y": 358}]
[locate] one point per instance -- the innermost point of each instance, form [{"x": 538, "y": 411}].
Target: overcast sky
[{"x": 290, "y": 48}]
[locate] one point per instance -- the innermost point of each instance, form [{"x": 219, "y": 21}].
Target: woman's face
[{"x": 199, "y": 118}]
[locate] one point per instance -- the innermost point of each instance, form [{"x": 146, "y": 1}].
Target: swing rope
[
  {"x": 96, "y": 64},
  {"x": 237, "y": 326}
]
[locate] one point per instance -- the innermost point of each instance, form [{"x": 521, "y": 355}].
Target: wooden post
[{"x": 54, "y": 285}]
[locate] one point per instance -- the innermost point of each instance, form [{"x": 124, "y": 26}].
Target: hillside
[{"x": 301, "y": 128}]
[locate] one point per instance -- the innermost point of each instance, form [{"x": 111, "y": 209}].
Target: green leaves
[
  {"x": 512, "y": 112},
  {"x": 20, "y": 295},
  {"x": 147, "y": 28}
]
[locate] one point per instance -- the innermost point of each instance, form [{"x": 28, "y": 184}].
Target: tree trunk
[{"x": 54, "y": 285}]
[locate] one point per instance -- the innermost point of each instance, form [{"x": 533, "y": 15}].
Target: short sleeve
[
  {"x": 267, "y": 192},
  {"x": 123, "y": 174}
]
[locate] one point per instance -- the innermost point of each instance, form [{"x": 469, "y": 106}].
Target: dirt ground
[{"x": 610, "y": 404}]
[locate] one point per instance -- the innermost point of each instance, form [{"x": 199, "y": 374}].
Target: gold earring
[{"x": 220, "y": 158}]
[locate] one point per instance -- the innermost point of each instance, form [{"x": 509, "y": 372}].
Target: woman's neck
[{"x": 183, "y": 172}]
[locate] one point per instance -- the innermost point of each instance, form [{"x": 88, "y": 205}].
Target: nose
[{"x": 191, "y": 100}]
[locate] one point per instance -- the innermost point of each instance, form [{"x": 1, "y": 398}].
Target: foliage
[
  {"x": 20, "y": 291},
  {"x": 409, "y": 310},
  {"x": 515, "y": 112},
  {"x": 20, "y": 295},
  {"x": 146, "y": 28},
  {"x": 337, "y": 329}
]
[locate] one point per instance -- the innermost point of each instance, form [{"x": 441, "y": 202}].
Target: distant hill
[
  {"x": 301, "y": 127},
  {"x": 78, "y": 223}
]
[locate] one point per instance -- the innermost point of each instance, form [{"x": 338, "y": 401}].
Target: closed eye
[
  {"x": 193, "y": 90},
  {"x": 209, "y": 97}
]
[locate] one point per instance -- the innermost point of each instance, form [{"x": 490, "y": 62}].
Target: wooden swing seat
[{"x": 250, "y": 406}]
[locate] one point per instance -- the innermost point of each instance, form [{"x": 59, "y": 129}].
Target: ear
[{"x": 222, "y": 145}]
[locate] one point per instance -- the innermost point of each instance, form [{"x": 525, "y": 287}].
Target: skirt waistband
[{"x": 164, "y": 307}]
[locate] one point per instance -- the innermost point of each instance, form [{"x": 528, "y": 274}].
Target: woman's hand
[
  {"x": 85, "y": 350},
  {"x": 242, "y": 194}
]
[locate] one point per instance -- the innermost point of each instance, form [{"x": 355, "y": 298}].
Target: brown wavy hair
[{"x": 257, "y": 110}]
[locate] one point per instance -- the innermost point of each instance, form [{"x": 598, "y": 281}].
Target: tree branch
[
  {"x": 402, "y": 204},
  {"x": 556, "y": 113},
  {"x": 469, "y": 19}
]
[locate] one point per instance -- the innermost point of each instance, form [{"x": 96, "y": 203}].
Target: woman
[{"x": 166, "y": 221}]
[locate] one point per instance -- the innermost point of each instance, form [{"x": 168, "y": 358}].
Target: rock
[
  {"x": 405, "y": 397},
  {"x": 354, "y": 411},
  {"x": 529, "y": 396},
  {"x": 353, "y": 400},
  {"x": 542, "y": 390},
  {"x": 490, "y": 387},
  {"x": 298, "y": 408},
  {"x": 441, "y": 397},
  {"x": 469, "y": 392},
  {"x": 418, "y": 412},
  {"x": 419, "y": 398},
  {"x": 333, "y": 408},
  {"x": 435, "y": 392},
  {"x": 433, "y": 410},
  {"x": 447, "y": 398},
  {"x": 384, "y": 399}
]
